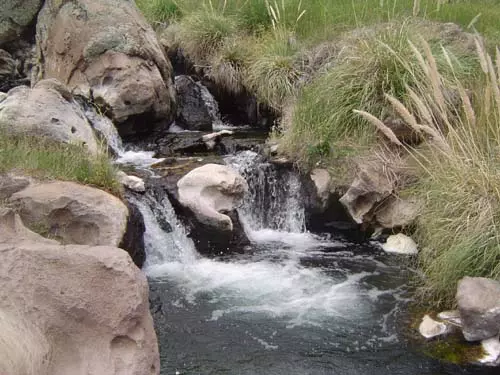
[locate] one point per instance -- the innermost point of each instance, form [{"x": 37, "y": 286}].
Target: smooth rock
[
  {"x": 15, "y": 17},
  {"x": 88, "y": 307},
  {"x": 400, "y": 244},
  {"x": 47, "y": 110},
  {"x": 74, "y": 213},
  {"x": 210, "y": 190},
  {"x": 491, "y": 348},
  {"x": 397, "y": 212},
  {"x": 430, "y": 328},
  {"x": 478, "y": 301},
  {"x": 119, "y": 64},
  {"x": 131, "y": 182}
]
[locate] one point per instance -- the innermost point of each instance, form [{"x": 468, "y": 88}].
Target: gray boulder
[
  {"x": 47, "y": 110},
  {"x": 106, "y": 50},
  {"x": 15, "y": 16},
  {"x": 478, "y": 301}
]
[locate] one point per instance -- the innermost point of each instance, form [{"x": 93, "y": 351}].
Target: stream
[{"x": 295, "y": 303}]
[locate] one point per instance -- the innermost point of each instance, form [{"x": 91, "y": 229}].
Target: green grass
[
  {"x": 46, "y": 159},
  {"x": 323, "y": 123}
]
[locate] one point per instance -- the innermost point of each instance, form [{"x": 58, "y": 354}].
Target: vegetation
[
  {"x": 44, "y": 158},
  {"x": 332, "y": 67}
]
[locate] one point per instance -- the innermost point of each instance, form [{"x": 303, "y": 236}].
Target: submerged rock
[
  {"x": 46, "y": 110},
  {"x": 120, "y": 65},
  {"x": 478, "y": 301},
  {"x": 64, "y": 292},
  {"x": 400, "y": 244}
]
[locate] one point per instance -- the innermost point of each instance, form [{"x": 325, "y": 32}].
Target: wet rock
[
  {"x": 212, "y": 139},
  {"x": 86, "y": 332},
  {"x": 491, "y": 348},
  {"x": 430, "y": 328},
  {"x": 478, "y": 301},
  {"x": 207, "y": 198},
  {"x": 15, "y": 17},
  {"x": 131, "y": 182},
  {"x": 120, "y": 65},
  {"x": 133, "y": 239},
  {"x": 47, "y": 110},
  {"x": 400, "y": 244},
  {"x": 193, "y": 111}
]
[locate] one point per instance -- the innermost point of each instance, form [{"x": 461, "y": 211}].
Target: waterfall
[
  {"x": 165, "y": 238},
  {"x": 274, "y": 200},
  {"x": 211, "y": 104}
]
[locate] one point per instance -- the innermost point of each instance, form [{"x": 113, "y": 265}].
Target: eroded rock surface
[
  {"x": 47, "y": 110},
  {"x": 106, "y": 50},
  {"x": 89, "y": 304},
  {"x": 15, "y": 16}
]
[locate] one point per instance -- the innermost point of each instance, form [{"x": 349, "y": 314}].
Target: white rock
[
  {"x": 212, "y": 138},
  {"x": 492, "y": 349},
  {"x": 430, "y": 328},
  {"x": 400, "y": 244},
  {"x": 210, "y": 189},
  {"x": 131, "y": 182}
]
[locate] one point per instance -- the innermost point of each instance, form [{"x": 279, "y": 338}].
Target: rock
[
  {"x": 491, "y": 348},
  {"x": 133, "y": 239},
  {"x": 397, "y": 212},
  {"x": 193, "y": 111},
  {"x": 478, "y": 301},
  {"x": 451, "y": 317},
  {"x": 370, "y": 187},
  {"x": 430, "y": 328},
  {"x": 15, "y": 17},
  {"x": 120, "y": 65},
  {"x": 63, "y": 293},
  {"x": 321, "y": 179},
  {"x": 400, "y": 244},
  {"x": 206, "y": 200},
  {"x": 47, "y": 110},
  {"x": 212, "y": 139},
  {"x": 13, "y": 229},
  {"x": 10, "y": 184},
  {"x": 74, "y": 213},
  {"x": 3, "y": 96},
  {"x": 131, "y": 182},
  {"x": 210, "y": 189}
]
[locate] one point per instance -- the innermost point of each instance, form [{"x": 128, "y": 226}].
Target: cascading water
[{"x": 275, "y": 195}]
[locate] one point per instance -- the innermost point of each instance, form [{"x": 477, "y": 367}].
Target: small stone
[
  {"x": 492, "y": 349},
  {"x": 430, "y": 328},
  {"x": 400, "y": 244},
  {"x": 132, "y": 182}
]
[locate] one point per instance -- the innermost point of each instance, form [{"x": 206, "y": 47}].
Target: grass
[
  {"x": 459, "y": 168},
  {"x": 324, "y": 124},
  {"x": 43, "y": 158}
]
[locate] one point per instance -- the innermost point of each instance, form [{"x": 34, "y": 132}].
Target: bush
[
  {"x": 372, "y": 63},
  {"x": 459, "y": 167},
  {"x": 44, "y": 158}
]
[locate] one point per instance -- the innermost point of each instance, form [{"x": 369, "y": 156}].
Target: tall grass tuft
[
  {"x": 459, "y": 167},
  {"x": 44, "y": 158},
  {"x": 371, "y": 64}
]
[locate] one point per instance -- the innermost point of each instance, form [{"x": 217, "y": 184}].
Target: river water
[{"x": 296, "y": 304}]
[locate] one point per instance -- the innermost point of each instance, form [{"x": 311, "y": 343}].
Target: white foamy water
[{"x": 140, "y": 159}]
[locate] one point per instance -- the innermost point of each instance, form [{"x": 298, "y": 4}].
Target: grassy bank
[
  {"x": 43, "y": 158},
  {"x": 316, "y": 62}
]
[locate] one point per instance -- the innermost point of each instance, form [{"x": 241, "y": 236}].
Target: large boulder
[
  {"x": 478, "y": 301},
  {"x": 47, "y": 110},
  {"x": 82, "y": 215},
  {"x": 108, "y": 51},
  {"x": 15, "y": 16},
  {"x": 197, "y": 109},
  {"x": 61, "y": 295},
  {"x": 208, "y": 197}
]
